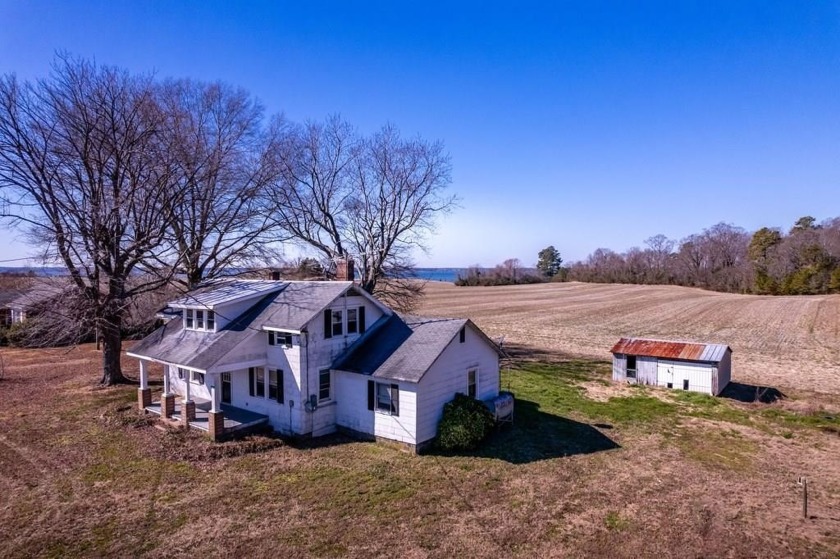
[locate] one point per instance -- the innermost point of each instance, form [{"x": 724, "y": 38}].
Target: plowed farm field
[{"x": 789, "y": 343}]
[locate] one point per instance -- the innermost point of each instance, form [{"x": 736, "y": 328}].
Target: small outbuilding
[{"x": 699, "y": 367}]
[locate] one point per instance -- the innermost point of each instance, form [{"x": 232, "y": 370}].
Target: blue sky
[{"x": 579, "y": 124}]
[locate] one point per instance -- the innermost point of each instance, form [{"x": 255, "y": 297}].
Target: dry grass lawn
[{"x": 590, "y": 469}]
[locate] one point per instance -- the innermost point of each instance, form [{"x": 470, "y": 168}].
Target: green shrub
[{"x": 465, "y": 423}]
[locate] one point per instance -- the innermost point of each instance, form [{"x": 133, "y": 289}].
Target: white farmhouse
[
  {"x": 698, "y": 367},
  {"x": 310, "y": 358}
]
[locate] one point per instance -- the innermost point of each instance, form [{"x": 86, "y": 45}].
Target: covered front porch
[
  {"x": 235, "y": 420},
  {"x": 219, "y": 420}
]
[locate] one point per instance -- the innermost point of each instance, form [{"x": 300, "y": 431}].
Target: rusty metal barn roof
[{"x": 690, "y": 351}]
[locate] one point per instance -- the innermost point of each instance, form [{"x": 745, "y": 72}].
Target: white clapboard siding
[
  {"x": 352, "y": 409},
  {"x": 448, "y": 376}
]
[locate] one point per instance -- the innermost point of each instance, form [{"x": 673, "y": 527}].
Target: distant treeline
[
  {"x": 510, "y": 272},
  {"x": 803, "y": 260}
]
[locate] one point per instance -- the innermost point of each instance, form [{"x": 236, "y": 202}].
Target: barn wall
[
  {"x": 619, "y": 367},
  {"x": 646, "y": 370},
  {"x": 724, "y": 371},
  {"x": 700, "y": 375}
]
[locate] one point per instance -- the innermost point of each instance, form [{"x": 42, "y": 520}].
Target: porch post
[
  {"x": 215, "y": 419},
  {"x": 167, "y": 399},
  {"x": 144, "y": 393},
  {"x": 187, "y": 406},
  {"x": 215, "y": 394}
]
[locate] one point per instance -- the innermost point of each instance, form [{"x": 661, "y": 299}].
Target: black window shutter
[
  {"x": 395, "y": 400},
  {"x": 463, "y": 334},
  {"x": 328, "y": 323},
  {"x": 361, "y": 320},
  {"x": 251, "y": 381},
  {"x": 280, "y": 386},
  {"x": 371, "y": 394},
  {"x": 271, "y": 338}
]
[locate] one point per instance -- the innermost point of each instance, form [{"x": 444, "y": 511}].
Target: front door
[{"x": 226, "y": 388}]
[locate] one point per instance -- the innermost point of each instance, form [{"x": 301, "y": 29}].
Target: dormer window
[
  {"x": 282, "y": 339},
  {"x": 200, "y": 319}
]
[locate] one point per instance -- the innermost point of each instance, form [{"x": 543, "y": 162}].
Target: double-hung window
[
  {"x": 324, "y": 385},
  {"x": 472, "y": 383},
  {"x": 182, "y": 373},
  {"x": 256, "y": 381},
  {"x": 352, "y": 321},
  {"x": 384, "y": 397},
  {"x": 211, "y": 320},
  {"x": 189, "y": 318},
  {"x": 337, "y": 323},
  {"x": 197, "y": 377},
  {"x": 199, "y": 319}
]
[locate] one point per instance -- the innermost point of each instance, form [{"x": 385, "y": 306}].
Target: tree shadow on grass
[
  {"x": 749, "y": 393},
  {"x": 536, "y": 435},
  {"x": 522, "y": 352}
]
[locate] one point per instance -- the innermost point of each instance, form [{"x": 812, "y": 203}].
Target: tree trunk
[{"x": 111, "y": 349}]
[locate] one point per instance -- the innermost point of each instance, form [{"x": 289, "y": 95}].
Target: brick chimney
[{"x": 344, "y": 270}]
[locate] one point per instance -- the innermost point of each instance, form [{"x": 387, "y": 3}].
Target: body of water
[
  {"x": 439, "y": 274},
  {"x": 43, "y": 271}
]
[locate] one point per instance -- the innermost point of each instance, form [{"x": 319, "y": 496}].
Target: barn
[{"x": 698, "y": 367}]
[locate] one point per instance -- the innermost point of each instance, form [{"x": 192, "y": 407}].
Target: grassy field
[
  {"x": 790, "y": 343},
  {"x": 589, "y": 469}
]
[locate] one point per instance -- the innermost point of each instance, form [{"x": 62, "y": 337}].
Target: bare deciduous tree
[
  {"x": 216, "y": 146},
  {"x": 80, "y": 167},
  {"x": 373, "y": 199}
]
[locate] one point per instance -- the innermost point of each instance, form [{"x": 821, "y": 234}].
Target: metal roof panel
[{"x": 689, "y": 351}]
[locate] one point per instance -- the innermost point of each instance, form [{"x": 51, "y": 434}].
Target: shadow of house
[
  {"x": 750, "y": 393},
  {"x": 536, "y": 435}
]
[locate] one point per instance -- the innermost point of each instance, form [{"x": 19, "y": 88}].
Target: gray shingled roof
[
  {"x": 41, "y": 291},
  {"x": 171, "y": 343},
  {"x": 401, "y": 348},
  {"x": 298, "y": 303},
  {"x": 291, "y": 308},
  {"x": 7, "y": 296}
]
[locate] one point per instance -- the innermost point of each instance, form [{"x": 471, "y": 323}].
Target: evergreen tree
[{"x": 549, "y": 261}]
